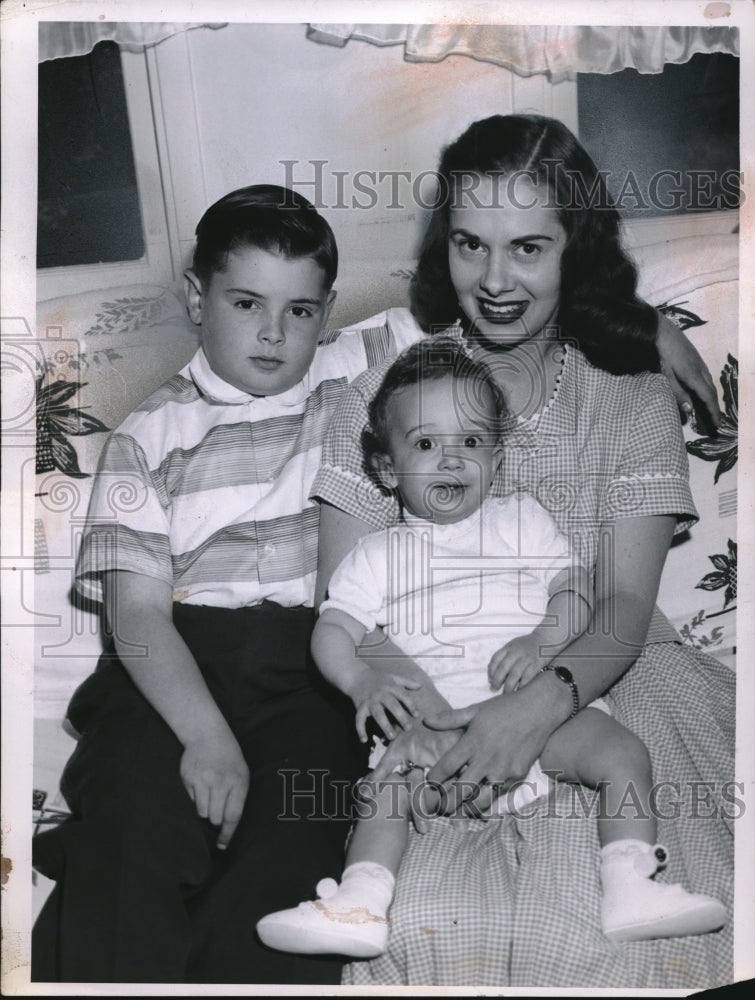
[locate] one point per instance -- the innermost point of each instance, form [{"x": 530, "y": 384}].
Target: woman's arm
[
  {"x": 505, "y": 734},
  {"x": 687, "y": 373}
]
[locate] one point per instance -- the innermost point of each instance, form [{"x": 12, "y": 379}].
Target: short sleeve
[
  {"x": 541, "y": 541},
  {"x": 342, "y": 479},
  {"x": 355, "y": 588},
  {"x": 127, "y": 524},
  {"x": 652, "y": 476}
]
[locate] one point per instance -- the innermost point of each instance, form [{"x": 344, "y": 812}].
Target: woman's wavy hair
[{"x": 599, "y": 308}]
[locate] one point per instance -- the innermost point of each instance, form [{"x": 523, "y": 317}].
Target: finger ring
[{"x": 405, "y": 767}]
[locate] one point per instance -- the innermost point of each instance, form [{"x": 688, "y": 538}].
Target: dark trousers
[{"x": 142, "y": 893}]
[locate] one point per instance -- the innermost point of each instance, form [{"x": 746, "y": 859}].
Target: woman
[{"x": 530, "y": 264}]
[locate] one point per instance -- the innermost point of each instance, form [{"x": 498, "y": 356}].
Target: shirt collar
[{"x": 217, "y": 390}]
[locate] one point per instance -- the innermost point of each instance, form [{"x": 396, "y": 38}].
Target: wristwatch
[{"x": 565, "y": 675}]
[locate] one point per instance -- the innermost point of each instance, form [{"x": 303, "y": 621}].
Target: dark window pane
[
  {"x": 684, "y": 120},
  {"x": 88, "y": 208}
]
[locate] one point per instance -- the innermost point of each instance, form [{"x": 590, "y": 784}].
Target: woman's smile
[
  {"x": 505, "y": 262},
  {"x": 501, "y": 312}
]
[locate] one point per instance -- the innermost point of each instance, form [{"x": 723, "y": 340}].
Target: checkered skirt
[{"x": 515, "y": 902}]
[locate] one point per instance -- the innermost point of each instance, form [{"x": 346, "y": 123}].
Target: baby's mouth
[{"x": 501, "y": 312}]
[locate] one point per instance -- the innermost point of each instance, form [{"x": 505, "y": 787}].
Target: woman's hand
[
  {"x": 422, "y": 747},
  {"x": 688, "y": 375},
  {"x": 502, "y": 738}
]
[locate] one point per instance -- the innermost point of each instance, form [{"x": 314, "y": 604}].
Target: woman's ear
[
  {"x": 383, "y": 467},
  {"x": 193, "y": 295}
]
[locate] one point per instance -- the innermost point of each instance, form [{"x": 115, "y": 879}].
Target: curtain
[
  {"x": 558, "y": 51},
  {"x": 58, "y": 39}
]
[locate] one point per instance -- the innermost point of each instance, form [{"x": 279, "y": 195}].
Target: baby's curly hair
[{"x": 429, "y": 360}]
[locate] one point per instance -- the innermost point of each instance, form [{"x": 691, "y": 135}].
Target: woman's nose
[{"x": 497, "y": 276}]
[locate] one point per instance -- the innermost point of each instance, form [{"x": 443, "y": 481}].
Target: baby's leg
[
  {"x": 597, "y": 751},
  {"x": 382, "y": 831},
  {"x": 351, "y": 918}
]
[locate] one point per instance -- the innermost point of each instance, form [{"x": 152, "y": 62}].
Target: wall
[{"x": 234, "y": 102}]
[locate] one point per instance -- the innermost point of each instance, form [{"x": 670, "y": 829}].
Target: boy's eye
[
  {"x": 301, "y": 312},
  {"x": 245, "y": 304},
  {"x": 424, "y": 444}
]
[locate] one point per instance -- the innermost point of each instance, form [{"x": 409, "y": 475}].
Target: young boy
[
  {"x": 207, "y": 739},
  {"x": 483, "y": 594}
]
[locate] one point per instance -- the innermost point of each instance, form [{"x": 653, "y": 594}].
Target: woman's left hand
[
  {"x": 421, "y": 747},
  {"x": 688, "y": 375},
  {"x": 502, "y": 739}
]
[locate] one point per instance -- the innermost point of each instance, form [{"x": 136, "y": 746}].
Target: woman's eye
[
  {"x": 468, "y": 246},
  {"x": 245, "y": 304},
  {"x": 529, "y": 249},
  {"x": 471, "y": 246},
  {"x": 424, "y": 444}
]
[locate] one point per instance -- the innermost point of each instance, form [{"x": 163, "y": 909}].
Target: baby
[{"x": 482, "y": 594}]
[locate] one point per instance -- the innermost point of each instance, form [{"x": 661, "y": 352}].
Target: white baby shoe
[
  {"x": 635, "y": 908},
  {"x": 349, "y": 919}
]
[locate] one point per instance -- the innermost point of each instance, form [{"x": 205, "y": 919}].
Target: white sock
[
  {"x": 647, "y": 857},
  {"x": 366, "y": 883}
]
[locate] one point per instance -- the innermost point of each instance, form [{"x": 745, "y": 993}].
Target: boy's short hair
[
  {"x": 428, "y": 360},
  {"x": 270, "y": 218}
]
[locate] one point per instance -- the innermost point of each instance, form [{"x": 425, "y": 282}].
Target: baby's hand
[
  {"x": 516, "y": 663},
  {"x": 375, "y": 694}
]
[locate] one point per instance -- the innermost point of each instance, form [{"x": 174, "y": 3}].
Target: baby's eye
[
  {"x": 472, "y": 441},
  {"x": 424, "y": 444}
]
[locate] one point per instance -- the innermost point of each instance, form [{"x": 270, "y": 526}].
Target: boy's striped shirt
[{"x": 207, "y": 488}]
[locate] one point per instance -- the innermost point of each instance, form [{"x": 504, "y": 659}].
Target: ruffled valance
[
  {"x": 558, "y": 51},
  {"x": 58, "y": 39}
]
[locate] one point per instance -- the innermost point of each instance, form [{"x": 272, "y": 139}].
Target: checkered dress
[{"x": 515, "y": 902}]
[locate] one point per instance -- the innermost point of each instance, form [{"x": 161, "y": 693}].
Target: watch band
[{"x": 565, "y": 675}]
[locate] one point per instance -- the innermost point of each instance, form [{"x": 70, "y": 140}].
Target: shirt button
[{"x": 268, "y": 550}]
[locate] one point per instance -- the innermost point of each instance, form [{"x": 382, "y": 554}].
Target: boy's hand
[
  {"x": 216, "y": 777},
  {"x": 375, "y": 694},
  {"x": 516, "y": 663}
]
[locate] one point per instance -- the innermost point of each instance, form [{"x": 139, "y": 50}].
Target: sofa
[{"x": 100, "y": 353}]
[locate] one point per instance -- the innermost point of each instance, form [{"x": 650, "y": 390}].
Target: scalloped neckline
[{"x": 549, "y": 404}]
